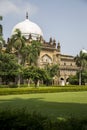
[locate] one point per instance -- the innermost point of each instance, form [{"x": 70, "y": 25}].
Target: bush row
[
  {"x": 22, "y": 120},
  {"x": 28, "y": 90}
]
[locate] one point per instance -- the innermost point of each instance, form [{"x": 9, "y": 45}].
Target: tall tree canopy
[
  {"x": 16, "y": 45},
  {"x": 2, "y": 43},
  {"x": 81, "y": 61},
  {"x": 52, "y": 70},
  {"x": 9, "y": 68},
  {"x": 34, "y": 53},
  {"x": 35, "y": 73}
]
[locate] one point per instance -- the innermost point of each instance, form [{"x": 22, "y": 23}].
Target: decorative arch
[{"x": 46, "y": 58}]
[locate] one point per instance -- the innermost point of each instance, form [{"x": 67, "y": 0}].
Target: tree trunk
[
  {"x": 18, "y": 80},
  {"x": 80, "y": 78},
  {"x": 35, "y": 83},
  {"x": 28, "y": 82},
  {"x": 38, "y": 83},
  {"x": 19, "y": 76}
]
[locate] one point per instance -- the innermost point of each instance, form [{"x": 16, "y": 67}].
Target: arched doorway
[
  {"x": 62, "y": 81},
  {"x": 67, "y": 81}
]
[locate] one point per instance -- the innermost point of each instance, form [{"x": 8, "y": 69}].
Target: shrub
[
  {"x": 27, "y": 90},
  {"x": 21, "y": 119}
]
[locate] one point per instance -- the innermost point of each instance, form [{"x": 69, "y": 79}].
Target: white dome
[
  {"x": 84, "y": 51},
  {"x": 27, "y": 27}
]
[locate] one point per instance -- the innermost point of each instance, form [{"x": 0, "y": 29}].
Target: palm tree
[
  {"x": 2, "y": 42},
  {"x": 34, "y": 53},
  {"x": 25, "y": 55},
  {"x": 16, "y": 45},
  {"x": 81, "y": 61}
]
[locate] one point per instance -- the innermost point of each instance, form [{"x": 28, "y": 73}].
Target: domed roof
[
  {"x": 84, "y": 51},
  {"x": 27, "y": 27}
]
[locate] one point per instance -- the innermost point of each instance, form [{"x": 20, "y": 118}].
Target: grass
[{"x": 53, "y": 105}]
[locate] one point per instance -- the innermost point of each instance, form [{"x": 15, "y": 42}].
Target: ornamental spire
[{"x": 26, "y": 15}]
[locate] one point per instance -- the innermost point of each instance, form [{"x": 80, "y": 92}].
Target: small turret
[
  {"x": 38, "y": 39},
  {"x": 30, "y": 38},
  {"x": 41, "y": 39},
  {"x": 50, "y": 41},
  {"x": 59, "y": 47},
  {"x": 54, "y": 42}
]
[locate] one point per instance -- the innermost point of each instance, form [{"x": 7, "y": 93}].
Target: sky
[{"x": 63, "y": 20}]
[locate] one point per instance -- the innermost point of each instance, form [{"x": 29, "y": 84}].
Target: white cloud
[
  {"x": 7, "y": 7},
  {"x": 20, "y": 7}
]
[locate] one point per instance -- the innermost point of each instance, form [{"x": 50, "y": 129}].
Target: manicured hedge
[
  {"x": 22, "y": 120},
  {"x": 27, "y": 90}
]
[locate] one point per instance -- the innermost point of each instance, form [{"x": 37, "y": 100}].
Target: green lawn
[{"x": 55, "y": 105}]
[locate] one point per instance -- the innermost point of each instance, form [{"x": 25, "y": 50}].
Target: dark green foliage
[
  {"x": 27, "y": 72},
  {"x": 38, "y": 74},
  {"x": 74, "y": 80},
  {"x": 22, "y": 120},
  {"x": 17, "y": 120},
  {"x": 84, "y": 76},
  {"x": 52, "y": 70}
]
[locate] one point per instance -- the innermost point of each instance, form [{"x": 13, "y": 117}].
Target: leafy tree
[
  {"x": 35, "y": 73},
  {"x": 9, "y": 68},
  {"x": 73, "y": 80},
  {"x": 52, "y": 70},
  {"x": 27, "y": 73},
  {"x": 25, "y": 53},
  {"x": 38, "y": 74}
]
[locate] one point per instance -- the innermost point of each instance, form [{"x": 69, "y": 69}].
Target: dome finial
[{"x": 26, "y": 15}]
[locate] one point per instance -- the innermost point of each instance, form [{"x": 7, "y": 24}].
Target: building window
[{"x": 64, "y": 63}]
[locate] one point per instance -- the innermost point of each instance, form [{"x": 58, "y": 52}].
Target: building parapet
[{"x": 68, "y": 67}]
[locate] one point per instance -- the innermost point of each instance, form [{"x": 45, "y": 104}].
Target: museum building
[{"x": 50, "y": 51}]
